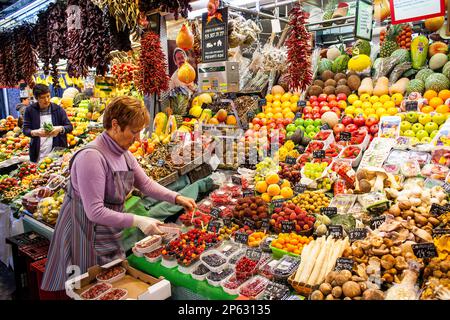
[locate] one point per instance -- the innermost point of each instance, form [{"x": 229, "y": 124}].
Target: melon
[
  {"x": 438, "y": 61},
  {"x": 415, "y": 85},
  {"x": 333, "y": 53},
  {"x": 324, "y": 64},
  {"x": 70, "y": 93},
  {"x": 424, "y": 74},
  {"x": 446, "y": 70},
  {"x": 340, "y": 64},
  {"x": 437, "y": 47},
  {"x": 402, "y": 54},
  {"x": 363, "y": 46},
  {"x": 437, "y": 82},
  {"x": 434, "y": 24}
]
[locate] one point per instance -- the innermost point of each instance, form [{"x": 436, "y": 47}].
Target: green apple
[
  {"x": 409, "y": 133},
  {"x": 299, "y": 122},
  {"x": 310, "y": 128},
  {"x": 291, "y": 127},
  {"x": 301, "y": 128},
  {"x": 424, "y": 118},
  {"x": 308, "y": 122},
  {"x": 412, "y": 117},
  {"x": 312, "y": 134},
  {"x": 416, "y": 127},
  {"x": 414, "y": 140},
  {"x": 289, "y": 134},
  {"x": 430, "y": 127},
  {"x": 316, "y": 129},
  {"x": 421, "y": 134},
  {"x": 402, "y": 116},
  {"x": 433, "y": 134},
  {"x": 425, "y": 139},
  {"x": 405, "y": 125},
  {"x": 439, "y": 118},
  {"x": 317, "y": 122}
]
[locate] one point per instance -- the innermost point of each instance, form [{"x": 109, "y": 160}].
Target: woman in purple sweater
[{"x": 88, "y": 230}]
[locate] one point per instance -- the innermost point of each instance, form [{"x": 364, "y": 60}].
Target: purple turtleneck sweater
[{"x": 89, "y": 179}]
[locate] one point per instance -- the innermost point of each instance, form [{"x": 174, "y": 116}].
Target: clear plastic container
[
  {"x": 114, "y": 294},
  {"x": 95, "y": 291},
  {"x": 154, "y": 256},
  {"x": 435, "y": 171},
  {"x": 214, "y": 260},
  {"x": 422, "y": 157},
  {"x": 205, "y": 206},
  {"x": 112, "y": 274},
  {"x": 286, "y": 266},
  {"x": 266, "y": 269},
  {"x": 232, "y": 284},
  {"x": 391, "y": 168},
  {"x": 397, "y": 157},
  {"x": 220, "y": 198},
  {"x": 355, "y": 161},
  {"x": 228, "y": 249},
  {"x": 246, "y": 267},
  {"x": 265, "y": 244},
  {"x": 254, "y": 287},
  {"x": 410, "y": 168},
  {"x": 188, "y": 270},
  {"x": 215, "y": 278},
  {"x": 169, "y": 263},
  {"x": 281, "y": 292},
  {"x": 343, "y": 202},
  {"x": 148, "y": 244},
  {"x": 236, "y": 256},
  {"x": 200, "y": 272}
]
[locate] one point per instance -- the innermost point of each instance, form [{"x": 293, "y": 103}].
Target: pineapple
[
  {"x": 179, "y": 100},
  {"x": 328, "y": 14},
  {"x": 390, "y": 44}
]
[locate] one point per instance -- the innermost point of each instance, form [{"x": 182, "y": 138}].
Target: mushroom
[{"x": 380, "y": 252}]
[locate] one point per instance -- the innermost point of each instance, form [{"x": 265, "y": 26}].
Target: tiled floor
[{"x": 7, "y": 285}]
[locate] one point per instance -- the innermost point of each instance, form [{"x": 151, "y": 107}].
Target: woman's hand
[
  {"x": 188, "y": 203},
  {"x": 39, "y": 133},
  {"x": 56, "y": 131}
]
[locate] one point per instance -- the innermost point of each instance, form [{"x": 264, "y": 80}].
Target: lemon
[
  {"x": 366, "y": 104},
  {"x": 374, "y": 99},
  {"x": 357, "y": 103},
  {"x": 384, "y": 98},
  {"x": 352, "y": 98},
  {"x": 364, "y": 97}
]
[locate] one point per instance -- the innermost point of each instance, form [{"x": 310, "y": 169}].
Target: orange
[
  {"x": 287, "y": 192},
  {"x": 285, "y": 183},
  {"x": 444, "y": 94},
  {"x": 261, "y": 186},
  {"x": 293, "y": 106},
  {"x": 286, "y": 97},
  {"x": 430, "y": 94},
  {"x": 443, "y": 108},
  {"x": 273, "y": 190},
  {"x": 286, "y": 104},
  {"x": 272, "y": 178},
  {"x": 427, "y": 109},
  {"x": 265, "y": 196},
  {"x": 269, "y": 98},
  {"x": 435, "y": 102}
]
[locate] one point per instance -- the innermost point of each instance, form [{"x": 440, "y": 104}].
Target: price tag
[
  {"x": 248, "y": 193},
  {"x": 215, "y": 212},
  {"x": 329, "y": 211},
  {"x": 250, "y": 116},
  {"x": 214, "y": 226},
  {"x": 319, "y": 154},
  {"x": 227, "y": 222},
  {"x": 235, "y": 179},
  {"x": 298, "y": 115},
  {"x": 345, "y": 136},
  {"x": 299, "y": 188},
  {"x": 437, "y": 209},
  {"x": 160, "y": 162},
  {"x": 446, "y": 187},
  {"x": 290, "y": 160},
  {"x": 241, "y": 237},
  {"x": 376, "y": 222},
  {"x": 412, "y": 106},
  {"x": 278, "y": 203},
  {"x": 287, "y": 226},
  {"x": 275, "y": 291},
  {"x": 326, "y": 126},
  {"x": 424, "y": 250},
  {"x": 357, "y": 234},
  {"x": 265, "y": 224},
  {"x": 336, "y": 231},
  {"x": 440, "y": 232},
  {"x": 253, "y": 254},
  {"x": 262, "y": 102},
  {"x": 250, "y": 223},
  {"x": 301, "y": 103},
  {"x": 344, "y": 264}
]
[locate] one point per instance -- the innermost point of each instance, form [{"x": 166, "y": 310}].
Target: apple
[
  {"x": 411, "y": 117},
  {"x": 323, "y": 104},
  {"x": 317, "y": 122},
  {"x": 351, "y": 127},
  {"x": 332, "y": 103},
  {"x": 317, "y": 115},
  {"x": 256, "y": 121},
  {"x": 289, "y": 134},
  {"x": 371, "y": 121},
  {"x": 359, "y": 120},
  {"x": 336, "y": 110},
  {"x": 331, "y": 97},
  {"x": 324, "y": 109},
  {"x": 439, "y": 118},
  {"x": 338, "y": 128},
  {"x": 309, "y": 128},
  {"x": 421, "y": 134},
  {"x": 346, "y": 120},
  {"x": 416, "y": 127},
  {"x": 433, "y": 134},
  {"x": 322, "y": 97},
  {"x": 373, "y": 129},
  {"x": 308, "y": 122},
  {"x": 307, "y": 110},
  {"x": 312, "y": 134},
  {"x": 312, "y": 99},
  {"x": 424, "y": 118},
  {"x": 414, "y": 140},
  {"x": 307, "y": 116},
  {"x": 301, "y": 128},
  {"x": 315, "y": 109},
  {"x": 341, "y": 97},
  {"x": 425, "y": 140},
  {"x": 291, "y": 127},
  {"x": 287, "y": 122},
  {"x": 298, "y": 122},
  {"x": 405, "y": 125},
  {"x": 315, "y": 104},
  {"x": 431, "y": 126},
  {"x": 409, "y": 133}
]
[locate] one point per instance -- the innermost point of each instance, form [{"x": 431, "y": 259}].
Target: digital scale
[{"x": 220, "y": 76}]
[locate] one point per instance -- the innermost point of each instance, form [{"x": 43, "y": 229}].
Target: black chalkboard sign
[
  {"x": 265, "y": 224},
  {"x": 160, "y": 162},
  {"x": 412, "y": 106},
  {"x": 345, "y": 136},
  {"x": 440, "y": 232},
  {"x": 357, "y": 234},
  {"x": 250, "y": 115},
  {"x": 241, "y": 237},
  {"x": 248, "y": 193},
  {"x": 287, "y": 226},
  {"x": 227, "y": 222},
  {"x": 214, "y": 226},
  {"x": 344, "y": 264},
  {"x": 253, "y": 253},
  {"x": 336, "y": 231},
  {"x": 446, "y": 187},
  {"x": 319, "y": 154},
  {"x": 301, "y": 103},
  {"x": 326, "y": 126},
  {"x": 235, "y": 179},
  {"x": 215, "y": 212},
  {"x": 376, "y": 222},
  {"x": 262, "y": 102},
  {"x": 329, "y": 211},
  {"x": 424, "y": 250},
  {"x": 215, "y": 36},
  {"x": 290, "y": 160},
  {"x": 298, "y": 115},
  {"x": 299, "y": 188},
  {"x": 437, "y": 209},
  {"x": 278, "y": 203},
  {"x": 250, "y": 223},
  {"x": 275, "y": 291}
]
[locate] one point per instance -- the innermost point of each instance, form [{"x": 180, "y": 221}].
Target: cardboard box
[{"x": 140, "y": 286}]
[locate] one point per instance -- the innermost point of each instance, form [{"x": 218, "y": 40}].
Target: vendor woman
[
  {"x": 43, "y": 111},
  {"x": 88, "y": 229}
]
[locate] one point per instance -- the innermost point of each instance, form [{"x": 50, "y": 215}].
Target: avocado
[
  {"x": 305, "y": 141},
  {"x": 297, "y": 136}
]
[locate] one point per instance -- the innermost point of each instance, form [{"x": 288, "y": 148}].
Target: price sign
[
  {"x": 437, "y": 209},
  {"x": 160, "y": 162},
  {"x": 376, "y": 222},
  {"x": 275, "y": 291},
  {"x": 227, "y": 222},
  {"x": 319, "y": 154},
  {"x": 214, "y": 226},
  {"x": 440, "y": 232},
  {"x": 364, "y": 20},
  {"x": 357, "y": 234},
  {"x": 250, "y": 116},
  {"x": 287, "y": 226},
  {"x": 278, "y": 203},
  {"x": 424, "y": 250},
  {"x": 298, "y": 115},
  {"x": 326, "y": 126},
  {"x": 235, "y": 179},
  {"x": 344, "y": 264},
  {"x": 411, "y": 106},
  {"x": 248, "y": 193},
  {"x": 299, "y": 188},
  {"x": 290, "y": 160},
  {"x": 241, "y": 237},
  {"x": 265, "y": 224},
  {"x": 250, "y": 223},
  {"x": 301, "y": 103},
  {"x": 262, "y": 102},
  {"x": 215, "y": 36},
  {"x": 329, "y": 211},
  {"x": 336, "y": 231},
  {"x": 446, "y": 187},
  {"x": 215, "y": 212},
  {"x": 253, "y": 254},
  {"x": 345, "y": 136}
]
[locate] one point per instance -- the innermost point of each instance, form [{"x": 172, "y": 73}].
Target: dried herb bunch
[
  {"x": 125, "y": 12},
  {"x": 152, "y": 74},
  {"x": 56, "y": 36},
  {"x": 299, "y": 50}
]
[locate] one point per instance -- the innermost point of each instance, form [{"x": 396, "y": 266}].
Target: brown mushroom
[{"x": 387, "y": 261}]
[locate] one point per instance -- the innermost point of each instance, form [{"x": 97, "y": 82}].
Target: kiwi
[
  {"x": 354, "y": 82},
  {"x": 329, "y": 90},
  {"x": 342, "y": 82},
  {"x": 330, "y": 82},
  {"x": 315, "y": 90},
  {"x": 339, "y": 76},
  {"x": 343, "y": 89},
  {"x": 319, "y": 83},
  {"x": 327, "y": 74}
]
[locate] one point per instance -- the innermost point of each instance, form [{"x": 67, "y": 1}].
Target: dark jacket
[{"x": 32, "y": 121}]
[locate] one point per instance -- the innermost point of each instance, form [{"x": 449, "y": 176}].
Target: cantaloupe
[{"x": 438, "y": 61}]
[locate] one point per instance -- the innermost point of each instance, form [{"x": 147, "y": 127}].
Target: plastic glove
[
  {"x": 147, "y": 225},
  {"x": 38, "y": 133}
]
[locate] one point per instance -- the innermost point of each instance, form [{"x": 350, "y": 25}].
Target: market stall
[{"x": 315, "y": 141}]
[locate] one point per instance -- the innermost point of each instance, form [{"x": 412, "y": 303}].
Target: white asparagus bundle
[
  {"x": 303, "y": 261},
  {"x": 321, "y": 260},
  {"x": 310, "y": 259}
]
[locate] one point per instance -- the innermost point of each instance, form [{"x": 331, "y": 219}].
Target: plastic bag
[
  {"x": 410, "y": 168},
  {"x": 398, "y": 71},
  {"x": 385, "y": 67}
]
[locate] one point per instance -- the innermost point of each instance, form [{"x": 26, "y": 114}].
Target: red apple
[
  {"x": 374, "y": 129},
  {"x": 286, "y": 122},
  {"x": 331, "y": 97},
  {"x": 307, "y": 110},
  {"x": 315, "y": 104},
  {"x": 336, "y": 110},
  {"x": 312, "y": 99},
  {"x": 341, "y": 96},
  {"x": 323, "y": 104},
  {"x": 324, "y": 109},
  {"x": 338, "y": 128},
  {"x": 371, "y": 121},
  {"x": 256, "y": 121},
  {"x": 359, "y": 120},
  {"x": 263, "y": 122},
  {"x": 346, "y": 120},
  {"x": 351, "y": 127},
  {"x": 315, "y": 110},
  {"x": 332, "y": 104},
  {"x": 322, "y": 97},
  {"x": 316, "y": 116},
  {"x": 307, "y": 116}
]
